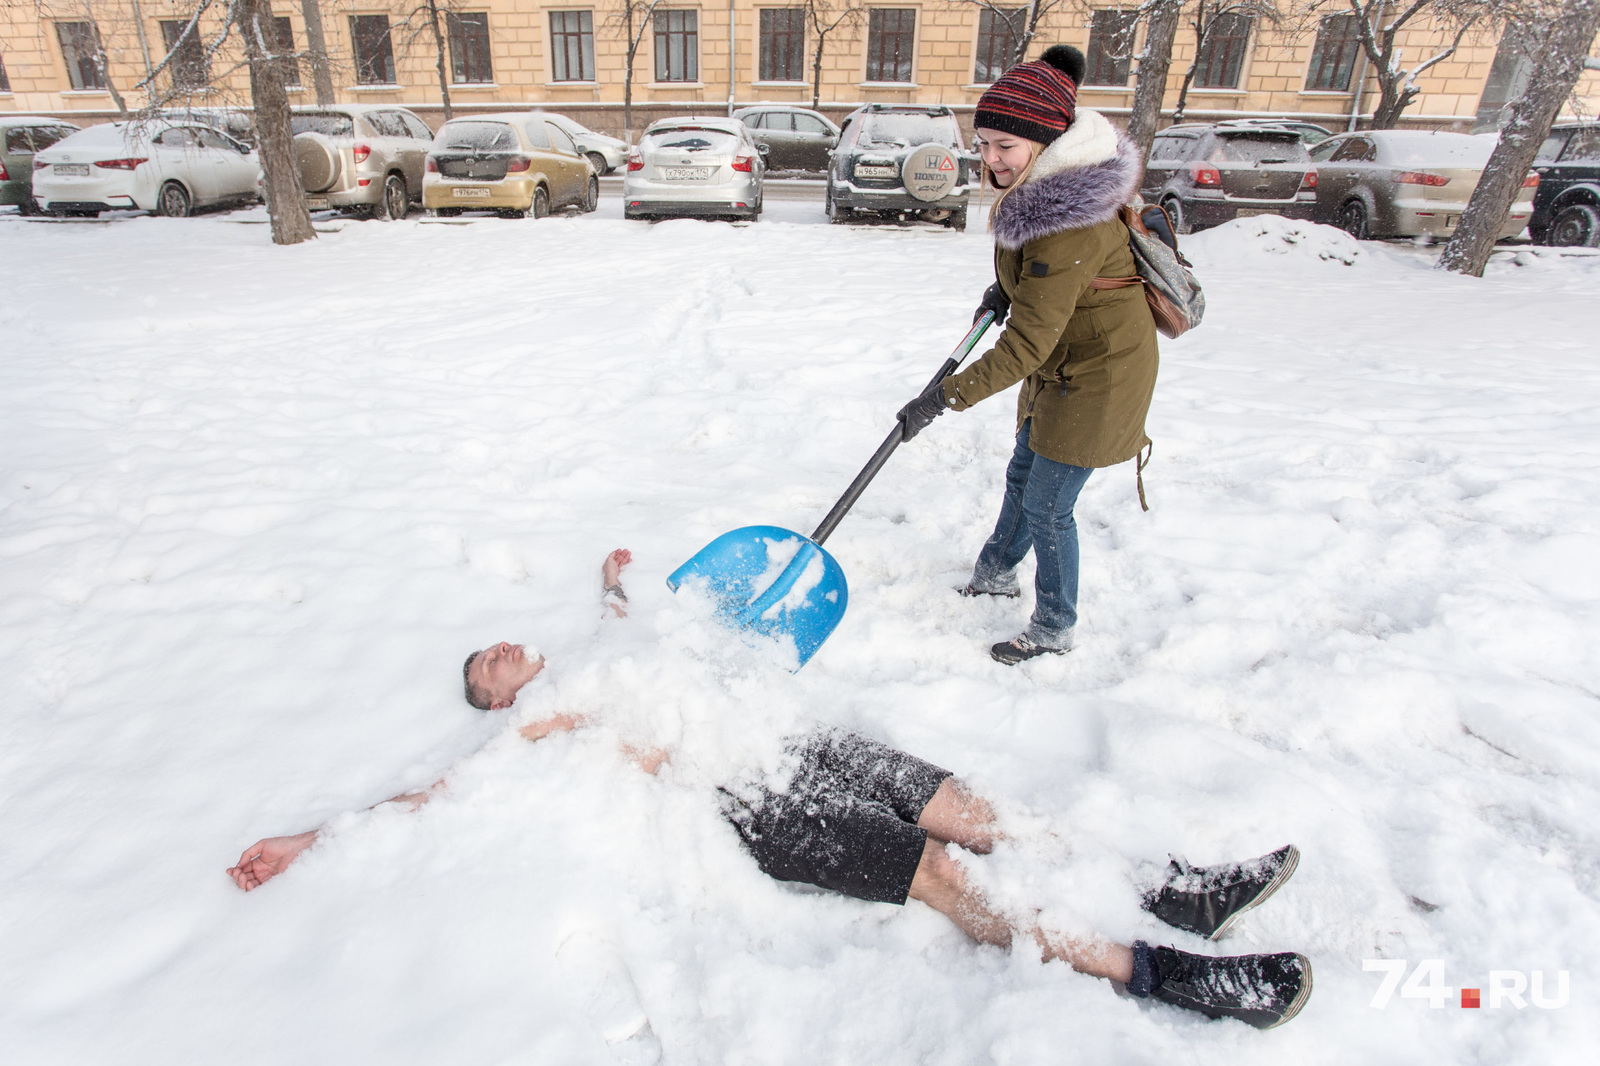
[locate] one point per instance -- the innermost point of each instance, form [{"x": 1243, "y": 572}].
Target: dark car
[
  {"x": 1208, "y": 175},
  {"x": 1566, "y": 209},
  {"x": 791, "y": 138},
  {"x": 901, "y": 162},
  {"x": 20, "y": 137}
]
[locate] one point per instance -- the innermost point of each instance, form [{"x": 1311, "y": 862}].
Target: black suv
[
  {"x": 1566, "y": 209},
  {"x": 1208, "y": 175},
  {"x": 901, "y": 162}
]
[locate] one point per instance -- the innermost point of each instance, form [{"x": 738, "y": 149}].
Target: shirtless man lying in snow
[{"x": 863, "y": 819}]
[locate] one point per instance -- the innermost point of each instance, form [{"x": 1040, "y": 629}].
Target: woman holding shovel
[{"x": 1085, "y": 353}]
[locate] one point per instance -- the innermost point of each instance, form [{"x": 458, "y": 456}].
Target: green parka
[{"x": 1087, "y": 357}]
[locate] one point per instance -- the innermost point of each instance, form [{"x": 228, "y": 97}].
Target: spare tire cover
[
  {"x": 930, "y": 171},
  {"x": 318, "y": 159}
]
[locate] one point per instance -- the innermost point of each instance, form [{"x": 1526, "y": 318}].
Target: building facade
[{"x": 80, "y": 57}]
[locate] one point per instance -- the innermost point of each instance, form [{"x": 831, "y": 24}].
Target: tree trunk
[
  {"x": 816, "y": 72},
  {"x": 1154, "y": 62},
  {"x": 1559, "y": 43},
  {"x": 317, "y": 51},
  {"x": 286, "y": 198},
  {"x": 627, "y": 78},
  {"x": 1386, "y": 115},
  {"x": 438, "y": 44}
]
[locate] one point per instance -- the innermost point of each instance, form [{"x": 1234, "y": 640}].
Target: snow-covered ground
[{"x": 256, "y": 504}]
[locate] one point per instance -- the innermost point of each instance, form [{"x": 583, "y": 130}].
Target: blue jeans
[{"x": 1037, "y": 514}]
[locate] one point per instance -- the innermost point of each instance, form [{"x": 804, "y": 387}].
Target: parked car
[
  {"x": 516, "y": 164},
  {"x": 791, "y": 138},
  {"x": 1207, "y": 175},
  {"x": 236, "y": 122},
  {"x": 901, "y": 162},
  {"x": 605, "y": 153},
  {"x": 1309, "y": 132},
  {"x": 707, "y": 167},
  {"x": 158, "y": 166},
  {"x": 20, "y": 137},
  {"x": 1406, "y": 183},
  {"x": 1566, "y": 206},
  {"x": 368, "y": 157}
]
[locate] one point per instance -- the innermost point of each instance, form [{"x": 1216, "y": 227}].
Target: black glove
[
  {"x": 919, "y": 413},
  {"x": 993, "y": 300}
]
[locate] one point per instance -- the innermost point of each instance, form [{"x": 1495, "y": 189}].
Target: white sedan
[{"x": 169, "y": 168}]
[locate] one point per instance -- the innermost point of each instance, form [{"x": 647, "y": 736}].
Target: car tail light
[
  {"x": 635, "y": 161},
  {"x": 1309, "y": 181},
  {"x": 120, "y": 164},
  {"x": 363, "y": 182},
  {"x": 1421, "y": 177},
  {"x": 745, "y": 164},
  {"x": 1531, "y": 181},
  {"x": 433, "y": 165},
  {"x": 517, "y": 164},
  {"x": 1204, "y": 175},
  {"x": 3, "y": 175},
  {"x": 362, "y": 151}
]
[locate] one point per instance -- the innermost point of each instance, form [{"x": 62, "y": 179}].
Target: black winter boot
[
  {"x": 1208, "y": 899},
  {"x": 1019, "y": 649},
  {"x": 1260, "y": 990}
]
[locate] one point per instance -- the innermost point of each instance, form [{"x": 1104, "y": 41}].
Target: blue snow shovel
[{"x": 773, "y": 581}]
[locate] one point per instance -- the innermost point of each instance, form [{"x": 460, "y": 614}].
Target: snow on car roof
[
  {"x": 1434, "y": 148},
  {"x": 719, "y": 125}
]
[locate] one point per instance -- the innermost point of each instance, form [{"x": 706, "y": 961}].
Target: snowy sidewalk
[{"x": 257, "y": 504}]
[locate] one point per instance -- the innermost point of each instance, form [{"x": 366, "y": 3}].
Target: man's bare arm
[{"x": 614, "y": 598}]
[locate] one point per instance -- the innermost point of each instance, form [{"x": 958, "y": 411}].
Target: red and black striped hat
[{"x": 1034, "y": 100}]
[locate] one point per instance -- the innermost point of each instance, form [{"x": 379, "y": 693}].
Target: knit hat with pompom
[{"x": 1035, "y": 100}]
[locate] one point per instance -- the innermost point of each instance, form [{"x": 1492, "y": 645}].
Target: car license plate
[
  {"x": 470, "y": 194},
  {"x": 686, "y": 173},
  {"x": 316, "y": 203},
  {"x": 1250, "y": 212},
  {"x": 72, "y": 170},
  {"x": 870, "y": 171}
]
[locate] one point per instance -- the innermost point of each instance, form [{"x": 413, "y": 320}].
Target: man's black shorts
[{"x": 847, "y": 821}]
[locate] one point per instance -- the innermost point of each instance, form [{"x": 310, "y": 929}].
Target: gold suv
[{"x": 515, "y": 164}]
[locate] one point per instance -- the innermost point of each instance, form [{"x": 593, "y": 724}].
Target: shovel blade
[{"x": 772, "y": 581}]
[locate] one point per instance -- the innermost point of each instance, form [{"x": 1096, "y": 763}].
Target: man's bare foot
[{"x": 611, "y": 569}]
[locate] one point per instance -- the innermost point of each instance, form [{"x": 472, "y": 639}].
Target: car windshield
[
  {"x": 1408, "y": 149},
  {"x": 901, "y": 130},
  {"x": 477, "y": 136},
  {"x": 329, "y": 124},
  {"x": 692, "y": 139},
  {"x": 1255, "y": 148}
]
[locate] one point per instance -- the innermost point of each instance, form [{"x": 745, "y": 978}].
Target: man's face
[{"x": 500, "y": 671}]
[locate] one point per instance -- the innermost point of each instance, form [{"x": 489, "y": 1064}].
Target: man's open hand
[
  {"x": 611, "y": 569},
  {"x": 266, "y": 859}
]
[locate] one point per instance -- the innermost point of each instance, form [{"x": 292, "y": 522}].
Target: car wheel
[
  {"x": 173, "y": 201},
  {"x": 1575, "y": 226},
  {"x": 26, "y": 206},
  {"x": 957, "y": 220},
  {"x": 598, "y": 161},
  {"x": 541, "y": 203},
  {"x": 591, "y": 197},
  {"x": 836, "y": 213},
  {"x": 395, "y": 203},
  {"x": 1180, "y": 221},
  {"x": 1353, "y": 220}
]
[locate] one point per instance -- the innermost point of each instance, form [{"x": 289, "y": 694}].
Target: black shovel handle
[{"x": 892, "y": 441}]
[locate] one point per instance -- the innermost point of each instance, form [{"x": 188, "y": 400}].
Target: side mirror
[{"x": 764, "y": 149}]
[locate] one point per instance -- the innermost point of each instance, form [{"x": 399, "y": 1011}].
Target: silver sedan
[{"x": 694, "y": 167}]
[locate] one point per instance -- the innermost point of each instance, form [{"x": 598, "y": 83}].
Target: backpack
[{"x": 1170, "y": 288}]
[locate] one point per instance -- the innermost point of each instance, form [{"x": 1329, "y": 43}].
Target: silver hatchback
[{"x": 694, "y": 167}]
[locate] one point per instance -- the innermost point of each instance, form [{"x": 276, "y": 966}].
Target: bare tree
[
  {"x": 642, "y": 12},
  {"x": 825, "y": 17},
  {"x": 1397, "y": 83},
  {"x": 1155, "y": 60},
  {"x": 1557, "y": 35},
  {"x": 286, "y": 197},
  {"x": 317, "y": 52},
  {"x": 102, "y": 64},
  {"x": 424, "y": 20},
  {"x": 1207, "y": 15},
  {"x": 1021, "y": 22}
]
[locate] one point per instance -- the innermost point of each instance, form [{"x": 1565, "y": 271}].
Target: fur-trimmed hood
[{"x": 1081, "y": 179}]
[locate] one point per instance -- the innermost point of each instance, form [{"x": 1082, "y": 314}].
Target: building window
[
  {"x": 783, "y": 43},
  {"x": 369, "y": 34},
  {"x": 1222, "y": 57},
  {"x": 189, "y": 67},
  {"x": 81, "y": 49},
  {"x": 677, "y": 45},
  {"x": 891, "y": 42},
  {"x": 571, "y": 46},
  {"x": 1338, "y": 42},
  {"x": 1110, "y": 47},
  {"x": 469, "y": 47},
  {"x": 998, "y": 30},
  {"x": 283, "y": 48},
  {"x": 1508, "y": 79}
]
